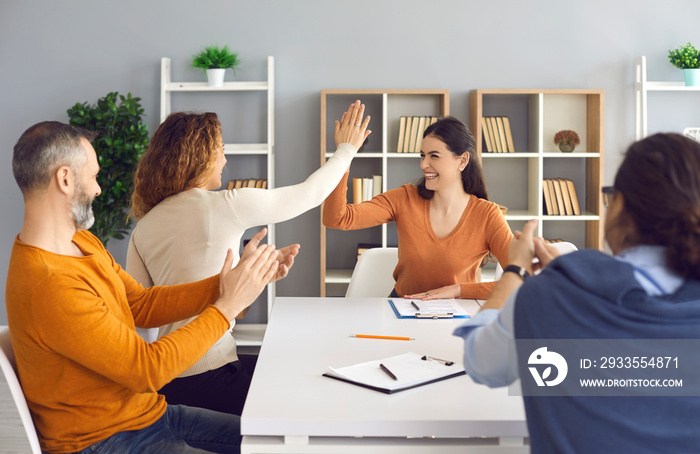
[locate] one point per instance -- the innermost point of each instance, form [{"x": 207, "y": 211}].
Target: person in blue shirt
[{"x": 649, "y": 290}]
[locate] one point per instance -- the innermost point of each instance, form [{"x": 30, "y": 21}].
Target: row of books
[
  {"x": 498, "y": 137},
  {"x": 411, "y": 131},
  {"x": 249, "y": 183},
  {"x": 560, "y": 197},
  {"x": 365, "y": 188}
]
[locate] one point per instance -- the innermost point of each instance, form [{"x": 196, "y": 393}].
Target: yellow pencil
[{"x": 372, "y": 336}]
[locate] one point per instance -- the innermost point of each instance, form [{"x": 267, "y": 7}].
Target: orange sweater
[
  {"x": 85, "y": 372},
  {"x": 426, "y": 261}
]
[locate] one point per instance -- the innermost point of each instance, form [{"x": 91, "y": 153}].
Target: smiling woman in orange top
[{"x": 445, "y": 224}]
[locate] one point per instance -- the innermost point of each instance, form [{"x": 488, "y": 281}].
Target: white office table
[{"x": 292, "y": 408}]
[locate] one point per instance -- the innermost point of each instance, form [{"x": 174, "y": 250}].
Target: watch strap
[{"x": 519, "y": 270}]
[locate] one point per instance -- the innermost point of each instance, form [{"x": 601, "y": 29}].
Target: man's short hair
[{"x": 45, "y": 147}]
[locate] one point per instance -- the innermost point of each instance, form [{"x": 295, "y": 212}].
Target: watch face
[{"x": 693, "y": 133}]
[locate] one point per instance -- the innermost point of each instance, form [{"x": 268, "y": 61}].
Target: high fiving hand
[{"x": 351, "y": 128}]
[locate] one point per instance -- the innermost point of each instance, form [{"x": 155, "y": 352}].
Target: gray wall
[{"x": 54, "y": 54}]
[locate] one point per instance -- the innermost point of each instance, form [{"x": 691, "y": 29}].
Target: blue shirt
[{"x": 487, "y": 335}]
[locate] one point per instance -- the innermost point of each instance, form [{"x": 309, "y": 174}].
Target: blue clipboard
[{"x": 432, "y": 309}]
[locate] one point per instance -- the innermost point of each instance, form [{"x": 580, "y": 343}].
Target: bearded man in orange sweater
[{"x": 90, "y": 381}]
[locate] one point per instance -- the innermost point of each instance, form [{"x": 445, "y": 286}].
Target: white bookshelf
[
  {"x": 642, "y": 87},
  {"x": 247, "y": 334}
]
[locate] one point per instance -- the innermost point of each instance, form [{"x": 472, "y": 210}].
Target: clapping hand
[
  {"x": 285, "y": 258},
  {"x": 241, "y": 285},
  {"x": 529, "y": 251}
]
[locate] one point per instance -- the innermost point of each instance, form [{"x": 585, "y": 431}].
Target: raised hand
[{"x": 351, "y": 128}]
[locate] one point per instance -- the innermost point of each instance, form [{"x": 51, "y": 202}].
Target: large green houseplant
[
  {"x": 122, "y": 139},
  {"x": 215, "y": 61}
]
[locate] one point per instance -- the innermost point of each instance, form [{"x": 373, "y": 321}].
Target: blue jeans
[{"x": 180, "y": 430}]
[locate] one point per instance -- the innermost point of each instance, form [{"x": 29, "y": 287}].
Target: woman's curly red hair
[{"x": 180, "y": 156}]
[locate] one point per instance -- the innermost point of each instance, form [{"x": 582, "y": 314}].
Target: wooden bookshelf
[
  {"x": 516, "y": 179},
  {"x": 379, "y": 156}
]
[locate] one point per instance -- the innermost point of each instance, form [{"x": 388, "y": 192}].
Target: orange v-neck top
[{"x": 425, "y": 261}]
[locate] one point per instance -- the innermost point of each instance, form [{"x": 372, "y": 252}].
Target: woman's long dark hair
[
  {"x": 458, "y": 139},
  {"x": 659, "y": 179}
]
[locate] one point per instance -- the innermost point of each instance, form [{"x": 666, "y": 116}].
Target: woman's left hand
[
  {"x": 522, "y": 246},
  {"x": 448, "y": 292},
  {"x": 286, "y": 260}
]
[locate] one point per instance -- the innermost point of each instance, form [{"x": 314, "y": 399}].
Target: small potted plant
[
  {"x": 567, "y": 140},
  {"x": 215, "y": 62},
  {"x": 687, "y": 58}
]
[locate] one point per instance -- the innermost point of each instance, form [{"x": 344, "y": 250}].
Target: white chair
[
  {"x": 373, "y": 274},
  {"x": 7, "y": 364},
  {"x": 564, "y": 248}
]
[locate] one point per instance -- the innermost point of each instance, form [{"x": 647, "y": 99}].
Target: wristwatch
[{"x": 519, "y": 270}]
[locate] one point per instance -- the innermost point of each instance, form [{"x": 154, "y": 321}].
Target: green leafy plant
[
  {"x": 566, "y": 137},
  {"x": 122, "y": 139},
  {"x": 213, "y": 57},
  {"x": 685, "y": 57}
]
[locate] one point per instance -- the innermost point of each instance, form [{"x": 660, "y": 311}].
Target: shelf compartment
[
  {"x": 572, "y": 230},
  {"x": 502, "y": 176},
  {"x": 337, "y": 104}
]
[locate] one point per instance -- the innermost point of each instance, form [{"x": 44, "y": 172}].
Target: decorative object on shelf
[
  {"x": 567, "y": 140},
  {"x": 687, "y": 58},
  {"x": 693, "y": 133},
  {"x": 121, "y": 141},
  {"x": 215, "y": 62}
]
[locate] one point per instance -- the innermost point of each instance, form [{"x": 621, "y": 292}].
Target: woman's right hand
[{"x": 351, "y": 128}]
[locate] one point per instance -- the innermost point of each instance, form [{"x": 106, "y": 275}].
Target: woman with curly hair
[{"x": 184, "y": 224}]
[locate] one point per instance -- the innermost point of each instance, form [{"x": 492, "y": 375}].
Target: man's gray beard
[{"x": 83, "y": 217}]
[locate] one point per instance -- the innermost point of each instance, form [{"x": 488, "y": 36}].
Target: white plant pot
[{"x": 215, "y": 77}]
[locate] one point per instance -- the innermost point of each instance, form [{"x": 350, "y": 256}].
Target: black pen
[
  {"x": 415, "y": 305},
  {"x": 388, "y": 372},
  {"x": 444, "y": 361}
]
